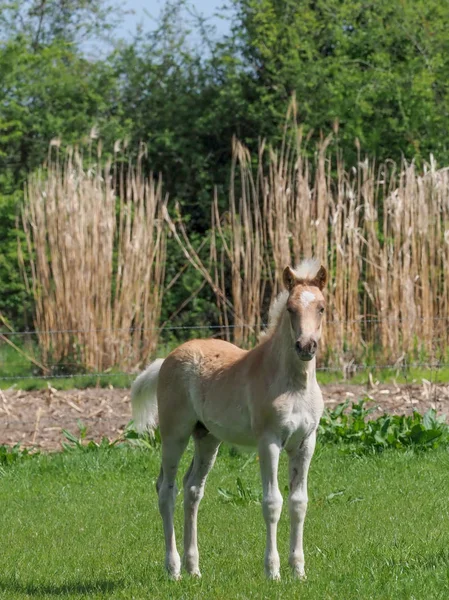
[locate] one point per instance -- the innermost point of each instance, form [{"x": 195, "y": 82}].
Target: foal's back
[{"x": 201, "y": 382}]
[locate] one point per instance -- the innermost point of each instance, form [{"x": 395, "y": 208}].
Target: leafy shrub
[
  {"x": 148, "y": 440},
  {"x": 80, "y": 443},
  {"x": 10, "y": 455},
  {"x": 352, "y": 429}
]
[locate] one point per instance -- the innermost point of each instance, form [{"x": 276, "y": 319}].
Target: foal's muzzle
[{"x": 306, "y": 351}]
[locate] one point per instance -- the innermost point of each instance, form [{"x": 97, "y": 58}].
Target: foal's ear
[
  {"x": 320, "y": 279},
  {"x": 289, "y": 278}
]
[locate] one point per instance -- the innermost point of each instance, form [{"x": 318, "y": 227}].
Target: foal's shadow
[{"x": 74, "y": 587}]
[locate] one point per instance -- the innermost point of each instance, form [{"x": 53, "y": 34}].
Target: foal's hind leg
[
  {"x": 172, "y": 449},
  {"x": 206, "y": 447}
]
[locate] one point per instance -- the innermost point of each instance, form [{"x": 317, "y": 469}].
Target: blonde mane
[{"x": 307, "y": 269}]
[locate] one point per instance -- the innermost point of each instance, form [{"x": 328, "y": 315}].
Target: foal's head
[{"x": 305, "y": 306}]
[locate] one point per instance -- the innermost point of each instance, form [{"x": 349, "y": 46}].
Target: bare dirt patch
[{"x": 36, "y": 418}]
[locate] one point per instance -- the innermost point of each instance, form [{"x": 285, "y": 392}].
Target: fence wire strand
[
  {"x": 360, "y": 321},
  {"x": 349, "y": 367}
]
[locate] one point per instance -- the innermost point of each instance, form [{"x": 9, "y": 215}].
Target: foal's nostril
[{"x": 309, "y": 348}]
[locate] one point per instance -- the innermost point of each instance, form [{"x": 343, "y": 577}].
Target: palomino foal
[{"x": 268, "y": 398}]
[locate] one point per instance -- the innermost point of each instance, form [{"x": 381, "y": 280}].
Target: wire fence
[
  {"x": 361, "y": 320},
  {"x": 401, "y": 365}
]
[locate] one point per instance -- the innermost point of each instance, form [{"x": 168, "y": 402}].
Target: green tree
[
  {"x": 42, "y": 22},
  {"x": 48, "y": 91},
  {"x": 380, "y": 69}
]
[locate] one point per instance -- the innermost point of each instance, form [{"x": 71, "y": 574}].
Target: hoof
[
  {"x": 274, "y": 576},
  {"x": 196, "y": 573},
  {"x": 173, "y": 566},
  {"x": 191, "y": 566},
  {"x": 299, "y": 574}
]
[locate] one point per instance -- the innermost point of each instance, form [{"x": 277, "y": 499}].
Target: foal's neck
[{"x": 281, "y": 353}]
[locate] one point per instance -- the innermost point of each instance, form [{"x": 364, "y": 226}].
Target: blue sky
[{"x": 146, "y": 12}]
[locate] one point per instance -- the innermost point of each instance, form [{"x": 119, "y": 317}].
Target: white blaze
[{"x": 306, "y": 298}]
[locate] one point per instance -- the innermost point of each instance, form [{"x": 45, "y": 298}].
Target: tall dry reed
[
  {"x": 97, "y": 247},
  {"x": 382, "y": 231}
]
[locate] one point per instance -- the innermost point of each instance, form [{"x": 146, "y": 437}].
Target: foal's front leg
[
  {"x": 299, "y": 461},
  {"x": 269, "y": 450}
]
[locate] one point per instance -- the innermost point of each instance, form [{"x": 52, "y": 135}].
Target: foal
[{"x": 268, "y": 398}]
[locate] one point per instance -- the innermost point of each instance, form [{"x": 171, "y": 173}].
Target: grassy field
[{"x": 85, "y": 525}]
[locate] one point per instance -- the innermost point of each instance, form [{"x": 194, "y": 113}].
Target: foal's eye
[{"x": 321, "y": 310}]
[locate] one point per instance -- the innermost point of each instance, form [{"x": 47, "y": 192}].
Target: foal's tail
[{"x": 144, "y": 399}]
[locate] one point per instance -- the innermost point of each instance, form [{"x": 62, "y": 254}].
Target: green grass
[
  {"x": 85, "y": 525},
  {"x": 12, "y": 364},
  {"x": 81, "y": 382}
]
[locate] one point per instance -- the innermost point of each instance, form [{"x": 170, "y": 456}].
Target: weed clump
[{"x": 352, "y": 429}]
